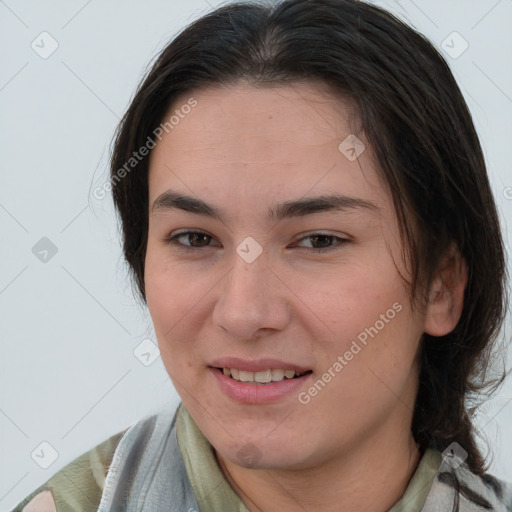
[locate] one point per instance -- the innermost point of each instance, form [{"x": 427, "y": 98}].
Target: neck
[{"x": 372, "y": 478}]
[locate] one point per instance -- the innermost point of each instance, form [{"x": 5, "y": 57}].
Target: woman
[{"x": 306, "y": 213}]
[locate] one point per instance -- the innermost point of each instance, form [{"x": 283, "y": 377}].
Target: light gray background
[{"x": 69, "y": 325}]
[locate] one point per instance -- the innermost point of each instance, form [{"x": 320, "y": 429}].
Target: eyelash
[{"x": 172, "y": 240}]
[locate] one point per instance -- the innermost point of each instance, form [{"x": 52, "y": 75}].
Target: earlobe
[{"x": 446, "y": 294}]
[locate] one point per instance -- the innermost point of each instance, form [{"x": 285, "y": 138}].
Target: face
[{"x": 272, "y": 253}]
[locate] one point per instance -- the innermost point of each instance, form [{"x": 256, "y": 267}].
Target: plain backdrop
[{"x": 70, "y": 327}]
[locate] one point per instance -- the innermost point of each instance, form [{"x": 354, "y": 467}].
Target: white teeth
[
  {"x": 263, "y": 377},
  {"x": 246, "y": 376},
  {"x": 277, "y": 375}
]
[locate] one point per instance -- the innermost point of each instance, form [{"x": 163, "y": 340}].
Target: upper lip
[{"x": 256, "y": 365}]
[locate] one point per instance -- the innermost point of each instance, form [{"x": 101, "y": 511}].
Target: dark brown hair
[{"x": 418, "y": 124}]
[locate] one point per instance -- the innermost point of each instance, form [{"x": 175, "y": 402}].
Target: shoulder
[
  {"x": 467, "y": 491},
  {"x": 78, "y": 486},
  {"x": 485, "y": 490}
]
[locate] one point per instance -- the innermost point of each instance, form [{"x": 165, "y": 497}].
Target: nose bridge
[{"x": 251, "y": 298}]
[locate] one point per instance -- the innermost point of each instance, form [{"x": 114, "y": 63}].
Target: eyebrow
[{"x": 171, "y": 200}]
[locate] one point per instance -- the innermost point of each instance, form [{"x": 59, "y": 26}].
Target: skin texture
[
  {"x": 243, "y": 149},
  {"x": 42, "y": 502}
]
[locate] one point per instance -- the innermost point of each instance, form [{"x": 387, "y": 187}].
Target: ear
[{"x": 446, "y": 294}]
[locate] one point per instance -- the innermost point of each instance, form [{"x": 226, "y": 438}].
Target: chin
[{"x": 264, "y": 454}]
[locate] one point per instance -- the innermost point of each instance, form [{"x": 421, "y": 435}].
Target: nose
[{"x": 253, "y": 299}]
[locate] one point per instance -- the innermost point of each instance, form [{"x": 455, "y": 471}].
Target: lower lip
[{"x": 257, "y": 393}]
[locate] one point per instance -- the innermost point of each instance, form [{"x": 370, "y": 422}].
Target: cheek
[
  {"x": 367, "y": 379},
  {"x": 169, "y": 297},
  {"x": 168, "y": 306},
  {"x": 374, "y": 331},
  {"x": 351, "y": 299}
]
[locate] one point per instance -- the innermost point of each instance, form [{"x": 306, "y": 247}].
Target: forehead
[
  {"x": 297, "y": 114},
  {"x": 253, "y": 140}
]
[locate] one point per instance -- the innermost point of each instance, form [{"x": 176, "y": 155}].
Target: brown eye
[
  {"x": 198, "y": 239},
  {"x": 322, "y": 241}
]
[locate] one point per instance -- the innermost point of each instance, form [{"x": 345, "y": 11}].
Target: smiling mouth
[{"x": 263, "y": 377}]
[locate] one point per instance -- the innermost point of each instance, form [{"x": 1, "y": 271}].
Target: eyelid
[{"x": 307, "y": 234}]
